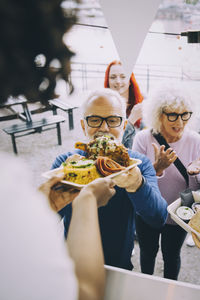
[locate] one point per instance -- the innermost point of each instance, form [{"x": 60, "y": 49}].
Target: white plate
[
  {"x": 59, "y": 171},
  {"x": 172, "y": 211}
]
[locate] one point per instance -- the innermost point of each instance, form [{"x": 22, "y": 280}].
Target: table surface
[
  {"x": 25, "y": 115},
  {"x": 122, "y": 284},
  {"x": 12, "y": 102}
]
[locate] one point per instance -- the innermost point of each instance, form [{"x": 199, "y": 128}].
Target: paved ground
[
  {"x": 190, "y": 269},
  {"x": 39, "y": 151}
]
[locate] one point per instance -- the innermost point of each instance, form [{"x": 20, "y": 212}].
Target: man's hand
[
  {"x": 163, "y": 159},
  {"x": 194, "y": 167},
  {"x": 130, "y": 180},
  {"x": 58, "y": 194},
  {"x": 102, "y": 189}
]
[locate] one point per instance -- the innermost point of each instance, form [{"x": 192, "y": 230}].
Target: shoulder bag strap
[{"x": 161, "y": 140}]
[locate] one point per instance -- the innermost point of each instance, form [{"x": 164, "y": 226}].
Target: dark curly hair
[{"x": 30, "y": 28}]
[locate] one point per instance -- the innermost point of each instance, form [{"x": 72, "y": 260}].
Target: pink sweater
[{"x": 171, "y": 183}]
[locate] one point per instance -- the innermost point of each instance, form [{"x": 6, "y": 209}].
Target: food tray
[
  {"x": 58, "y": 171},
  {"x": 172, "y": 211}
]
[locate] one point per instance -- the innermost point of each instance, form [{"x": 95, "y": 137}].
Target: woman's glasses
[
  {"x": 172, "y": 117},
  {"x": 96, "y": 121}
]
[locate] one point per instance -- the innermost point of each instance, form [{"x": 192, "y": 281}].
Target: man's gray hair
[{"x": 105, "y": 93}]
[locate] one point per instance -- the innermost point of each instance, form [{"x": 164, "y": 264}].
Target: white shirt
[{"x": 34, "y": 261}]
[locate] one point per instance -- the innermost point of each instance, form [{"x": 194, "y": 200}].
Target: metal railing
[{"x": 91, "y": 75}]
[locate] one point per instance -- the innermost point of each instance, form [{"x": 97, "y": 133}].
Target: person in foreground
[
  {"x": 116, "y": 79},
  {"x": 138, "y": 189},
  {"x": 35, "y": 261},
  {"x": 168, "y": 113}
]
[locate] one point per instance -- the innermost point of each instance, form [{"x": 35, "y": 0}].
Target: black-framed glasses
[
  {"x": 97, "y": 121},
  {"x": 172, "y": 117}
]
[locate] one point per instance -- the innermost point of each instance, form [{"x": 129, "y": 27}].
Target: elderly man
[{"x": 139, "y": 191}]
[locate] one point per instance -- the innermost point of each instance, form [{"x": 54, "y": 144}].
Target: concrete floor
[{"x": 190, "y": 266}]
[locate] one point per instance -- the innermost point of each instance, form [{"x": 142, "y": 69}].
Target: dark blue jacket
[
  {"x": 128, "y": 136},
  {"x": 116, "y": 219}
]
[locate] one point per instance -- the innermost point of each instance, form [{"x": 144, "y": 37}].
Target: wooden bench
[
  {"x": 22, "y": 129},
  {"x": 57, "y": 103}
]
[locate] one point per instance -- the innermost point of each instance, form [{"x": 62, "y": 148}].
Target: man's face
[{"x": 104, "y": 107}]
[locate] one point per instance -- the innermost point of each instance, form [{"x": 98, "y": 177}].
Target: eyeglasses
[
  {"x": 172, "y": 117},
  {"x": 97, "y": 121}
]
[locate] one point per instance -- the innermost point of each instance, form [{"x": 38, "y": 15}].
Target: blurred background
[{"x": 164, "y": 55}]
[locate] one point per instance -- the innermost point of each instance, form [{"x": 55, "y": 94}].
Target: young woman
[{"x": 116, "y": 79}]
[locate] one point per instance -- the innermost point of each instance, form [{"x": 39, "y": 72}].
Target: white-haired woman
[{"x": 167, "y": 113}]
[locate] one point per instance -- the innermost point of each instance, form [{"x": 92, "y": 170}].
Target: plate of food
[
  {"x": 184, "y": 216},
  {"x": 194, "y": 223},
  {"x": 104, "y": 157}
]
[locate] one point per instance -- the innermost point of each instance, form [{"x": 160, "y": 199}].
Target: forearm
[
  {"x": 150, "y": 204},
  {"x": 133, "y": 119},
  {"x": 136, "y": 113},
  {"x": 85, "y": 247},
  {"x": 159, "y": 169}
]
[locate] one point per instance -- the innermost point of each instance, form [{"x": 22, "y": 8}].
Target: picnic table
[
  {"x": 60, "y": 104},
  {"x": 28, "y": 126},
  {"x": 10, "y": 106}
]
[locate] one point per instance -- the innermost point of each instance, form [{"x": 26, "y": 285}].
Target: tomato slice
[{"x": 107, "y": 166}]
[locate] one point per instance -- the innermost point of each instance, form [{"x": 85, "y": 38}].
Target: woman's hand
[
  {"x": 102, "y": 189},
  {"x": 130, "y": 180},
  {"x": 136, "y": 113},
  {"x": 194, "y": 167},
  {"x": 58, "y": 194},
  {"x": 163, "y": 159}
]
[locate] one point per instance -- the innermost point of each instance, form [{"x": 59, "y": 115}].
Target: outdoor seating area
[
  {"x": 19, "y": 109},
  {"x": 19, "y": 130},
  {"x": 69, "y": 109},
  {"x": 100, "y": 150}
]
